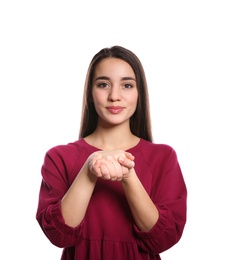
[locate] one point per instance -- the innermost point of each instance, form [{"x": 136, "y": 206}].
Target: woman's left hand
[{"x": 112, "y": 165}]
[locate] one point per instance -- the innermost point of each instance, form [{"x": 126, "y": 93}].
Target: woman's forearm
[
  {"x": 75, "y": 202},
  {"x": 144, "y": 211}
]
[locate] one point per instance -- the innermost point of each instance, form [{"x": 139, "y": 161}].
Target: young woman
[{"x": 113, "y": 193}]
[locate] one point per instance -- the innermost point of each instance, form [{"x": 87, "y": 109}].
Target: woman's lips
[{"x": 115, "y": 110}]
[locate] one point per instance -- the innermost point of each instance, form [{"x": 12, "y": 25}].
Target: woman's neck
[{"x": 112, "y": 139}]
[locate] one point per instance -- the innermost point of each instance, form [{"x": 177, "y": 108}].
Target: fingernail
[{"x": 132, "y": 164}]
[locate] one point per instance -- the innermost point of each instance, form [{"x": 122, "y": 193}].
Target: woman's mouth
[{"x": 115, "y": 109}]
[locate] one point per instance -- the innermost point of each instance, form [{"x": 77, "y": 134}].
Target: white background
[{"x": 45, "y": 49}]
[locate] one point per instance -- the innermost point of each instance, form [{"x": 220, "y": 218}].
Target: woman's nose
[{"x": 115, "y": 94}]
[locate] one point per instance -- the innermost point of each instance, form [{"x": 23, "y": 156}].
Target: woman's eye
[
  {"x": 128, "y": 86},
  {"x": 102, "y": 85}
]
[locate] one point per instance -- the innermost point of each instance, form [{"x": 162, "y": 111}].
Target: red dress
[{"x": 108, "y": 230}]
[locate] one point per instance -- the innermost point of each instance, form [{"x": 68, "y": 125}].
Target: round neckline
[{"x": 98, "y": 149}]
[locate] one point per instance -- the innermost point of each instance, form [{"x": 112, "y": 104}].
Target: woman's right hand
[{"x": 111, "y": 165}]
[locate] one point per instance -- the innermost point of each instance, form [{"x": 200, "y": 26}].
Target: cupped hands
[{"x": 111, "y": 165}]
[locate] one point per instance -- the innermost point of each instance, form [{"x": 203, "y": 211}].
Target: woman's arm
[
  {"x": 102, "y": 164},
  {"x": 144, "y": 211},
  {"x": 75, "y": 202}
]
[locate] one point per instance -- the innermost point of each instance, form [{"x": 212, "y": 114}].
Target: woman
[{"x": 113, "y": 194}]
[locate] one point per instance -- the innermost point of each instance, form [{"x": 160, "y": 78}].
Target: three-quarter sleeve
[
  {"x": 54, "y": 184},
  {"x": 169, "y": 193}
]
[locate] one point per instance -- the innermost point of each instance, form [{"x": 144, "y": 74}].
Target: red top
[{"x": 108, "y": 230}]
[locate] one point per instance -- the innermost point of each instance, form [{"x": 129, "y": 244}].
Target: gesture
[{"x": 111, "y": 165}]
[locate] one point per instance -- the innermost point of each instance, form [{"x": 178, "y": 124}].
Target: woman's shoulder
[
  {"x": 148, "y": 149},
  {"x": 151, "y": 146},
  {"x": 70, "y": 149}
]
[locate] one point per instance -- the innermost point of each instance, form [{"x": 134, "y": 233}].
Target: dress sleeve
[
  {"x": 169, "y": 194},
  {"x": 53, "y": 187}
]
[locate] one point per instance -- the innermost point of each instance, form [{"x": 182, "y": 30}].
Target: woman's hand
[{"x": 111, "y": 165}]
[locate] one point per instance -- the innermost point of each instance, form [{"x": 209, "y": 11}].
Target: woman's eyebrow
[
  {"x": 128, "y": 78},
  {"x": 102, "y": 77},
  {"x": 107, "y": 78}
]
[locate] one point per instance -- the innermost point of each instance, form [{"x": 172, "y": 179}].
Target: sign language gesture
[{"x": 111, "y": 165}]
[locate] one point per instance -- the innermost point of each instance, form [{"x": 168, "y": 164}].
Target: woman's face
[{"x": 114, "y": 91}]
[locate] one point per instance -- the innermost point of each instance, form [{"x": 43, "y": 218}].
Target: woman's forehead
[{"x": 113, "y": 67}]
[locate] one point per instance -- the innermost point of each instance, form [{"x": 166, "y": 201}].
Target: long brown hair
[{"x": 140, "y": 123}]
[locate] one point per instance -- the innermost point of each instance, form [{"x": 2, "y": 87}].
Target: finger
[
  {"x": 126, "y": 162},
  {"x": 105, "y": 171},
  {"x": 118, "y": 178},
  {"x": 114, "y": 167},
  {"x": 94, "y": 168},
  {"x": 125, "y": 171},
  {"x": 116, "y": 170},
  {"x": 129, "y": 156}
]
